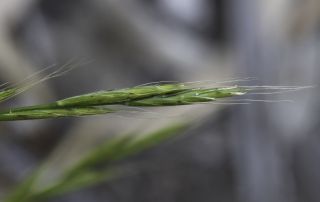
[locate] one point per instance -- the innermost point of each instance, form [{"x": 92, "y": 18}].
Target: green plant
[{"x": 102, "y": 163}]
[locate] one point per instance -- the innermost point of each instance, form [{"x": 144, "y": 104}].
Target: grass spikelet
[
  {"x": 193, "y": 96},
  {"x": 7, "y": 94},
  {"x": 91, "y": 104},
  {"x": 122, "y": 95},
  {"x": 151, "y": 94}
]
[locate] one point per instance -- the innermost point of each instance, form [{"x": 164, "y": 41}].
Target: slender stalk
[{"x": 15, "y": 115}]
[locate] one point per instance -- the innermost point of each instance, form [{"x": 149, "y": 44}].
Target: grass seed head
[
  {"x": 191, "y": 96},
  {"x": 122, "y": 95}
]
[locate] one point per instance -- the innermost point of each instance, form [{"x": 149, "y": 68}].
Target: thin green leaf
[
  {"x": 82, "y": 180},
  {"x": 24, "y": 190}
]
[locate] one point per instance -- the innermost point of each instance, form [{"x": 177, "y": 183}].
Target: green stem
[{"x": 31, "y": 113}]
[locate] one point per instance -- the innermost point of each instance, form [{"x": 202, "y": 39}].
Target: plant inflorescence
[
  {"x": 84, "y": 173},
  {"x": 101, "y": 102}
]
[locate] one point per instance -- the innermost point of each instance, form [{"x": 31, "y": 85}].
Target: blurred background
[{"x": 259, "y": 152}]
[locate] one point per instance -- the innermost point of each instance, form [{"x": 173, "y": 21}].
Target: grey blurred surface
[{"x": 260, "y": 152}]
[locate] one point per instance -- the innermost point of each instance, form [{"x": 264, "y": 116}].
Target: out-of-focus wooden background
[{"x": 259, "y": 152}]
